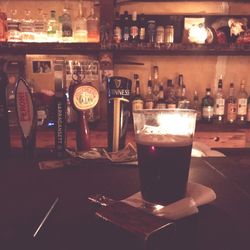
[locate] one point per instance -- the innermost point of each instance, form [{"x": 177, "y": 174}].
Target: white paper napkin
[{"x": 196, "y": 196}]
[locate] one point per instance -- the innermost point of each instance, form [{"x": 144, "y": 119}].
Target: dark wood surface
[{"x": 26, "y": 194}]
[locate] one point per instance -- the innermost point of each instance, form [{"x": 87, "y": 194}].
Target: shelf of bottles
[
  {"x": 49, "y": 32},
  {"x": 181, "y": 35}
]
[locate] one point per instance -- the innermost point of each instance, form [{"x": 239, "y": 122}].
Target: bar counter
[{"x": 27, "y": 193}]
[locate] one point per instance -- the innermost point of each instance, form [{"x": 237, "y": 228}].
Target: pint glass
[{"x": 164, "y": 142}]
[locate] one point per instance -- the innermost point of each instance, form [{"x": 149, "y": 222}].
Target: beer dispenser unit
[{"x": 119, "y": 91}]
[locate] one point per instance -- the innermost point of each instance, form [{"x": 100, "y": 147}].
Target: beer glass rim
[{"x": 168, "y": 110}]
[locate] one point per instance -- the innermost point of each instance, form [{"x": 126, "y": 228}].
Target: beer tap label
[
  {"x": 24, "y": 107},
  {"x": 85, "y": 97}
]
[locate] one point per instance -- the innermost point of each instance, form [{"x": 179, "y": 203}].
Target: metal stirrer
[{"x": 46, "y": 216}]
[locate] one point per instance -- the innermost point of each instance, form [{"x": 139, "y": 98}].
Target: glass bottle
[
  {"x": 125, "y": 27},
  {"x": 117, "y": 32},
  {"x": 156, "y": 85},
  {"x": 196, "y": 105},
  {"x": 67, "y": 30},
  {"x": 231, "y": 105},
  {"x": 179, "y": 88},
  {"x": 137, "y": 102},
  {"x": 134, "y": 29},
  {"x": 3, "y": 27},
  {"x": 161, "y": 103},
  {"x": 80, "y": 26},
  {"x": 149, "y": 98},
  {"x": 248, "y": 109},
  {"x": 170, "y": 94},
  {"x": 14, "y": 33},
  {"x": 40, "y": 27},
  {"x": 27, "y": 28},
  {"x": 219, "y": 105},
  {"x": 53, "y": 27},
  {"x": 207, "y": 107},
  {"x": 242, "y": 103},
  {"x": 93, "y": 27},
  {"x": 142, "y": 28},
  {"x": 183, "y": 102}
]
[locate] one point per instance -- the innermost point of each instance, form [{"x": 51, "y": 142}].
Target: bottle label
[
  {"x": 149, "y": 105},
  {"x": 171, "y": 105},
  {"x": 142, "y": 33},
  {"x": 242, "y": 106},
  {"x": 219, "y": 108},
  {"x": 126, "y": 33},
  {"x": 207, "y": 112},
  {"x": 134, "y": 31},
  {"x": 2, "y": 29},
  {"x": 248, "y": 112},
  {"x": 231, "y": 112},
  {"x": 137, "y": 104},
  {"x": 117, "y": 34},
  {"x": 160, "y": 105}
]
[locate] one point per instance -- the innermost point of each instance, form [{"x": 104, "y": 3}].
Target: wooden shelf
[
  {"x": 21, "y": 48},
  {"x": 182, "y": 49},
  {"x": 94, "y": 48},
  {"x": 131, "y": 1}
]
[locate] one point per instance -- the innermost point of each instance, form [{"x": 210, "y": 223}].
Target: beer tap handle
[{"x": 82, "y": 132}]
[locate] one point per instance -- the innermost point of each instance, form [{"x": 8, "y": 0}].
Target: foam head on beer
[{"x": 164, "y": 143}]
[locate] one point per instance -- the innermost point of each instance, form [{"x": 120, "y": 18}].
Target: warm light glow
[{"x": 197, "y": 34}]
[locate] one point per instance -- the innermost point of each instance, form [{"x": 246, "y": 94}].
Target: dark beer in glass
[{"x": 164, "y": 143}]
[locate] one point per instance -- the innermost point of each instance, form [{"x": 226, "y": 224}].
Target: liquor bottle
[
  {"x": 125, "y": 27},
  {"x": 3, "y": 27},
  {"x": 242, "y": 103},
  {"x": 196, "y": 105},
  {"x": 137, "y": 102},
  {"x": 219, "y": 105},
  {"x": 149, "y": 98},
  {"x": 207, "y": 107},
  {"x": 67, "y": 30},
  {"x": 40, "y": 27},
  {"x": 170, "y": 94},
  {"x": 151, "y": 32},
  {"x": 4, "y": 121},
  {"x": 142, "y": 28},
  {"x": 117, "y": 37},
  {"x": 14, "y": 33},
  {"x": 156, "y": 86},
  {"x": 248, "y": 109},
  {"x": 134, "y": 29},
  {"x": 53, "y": 27},
  {"x": 93, "y": 27},
  {"x": 231, "y": 105},
  {"x": 161, "y": 104},
  {"x": 80, "y": 26},
  {"x": 179, "y": 88},
  {"x": 183, "y": 101},
  {"x": 27, "y": 28}
]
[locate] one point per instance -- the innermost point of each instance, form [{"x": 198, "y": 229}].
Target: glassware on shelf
[
  {"x": 67, "y": 31},
  {"x": 27, "y": 27},
  {"x": 53, "y": 28},
  {"x": 80, "y": 26},
  {"x": 14, "y": 33},
  {"x": 40, "y": 27},
  {"x": 3, "y": 26},
  {"x": 93, "y": 27}
]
